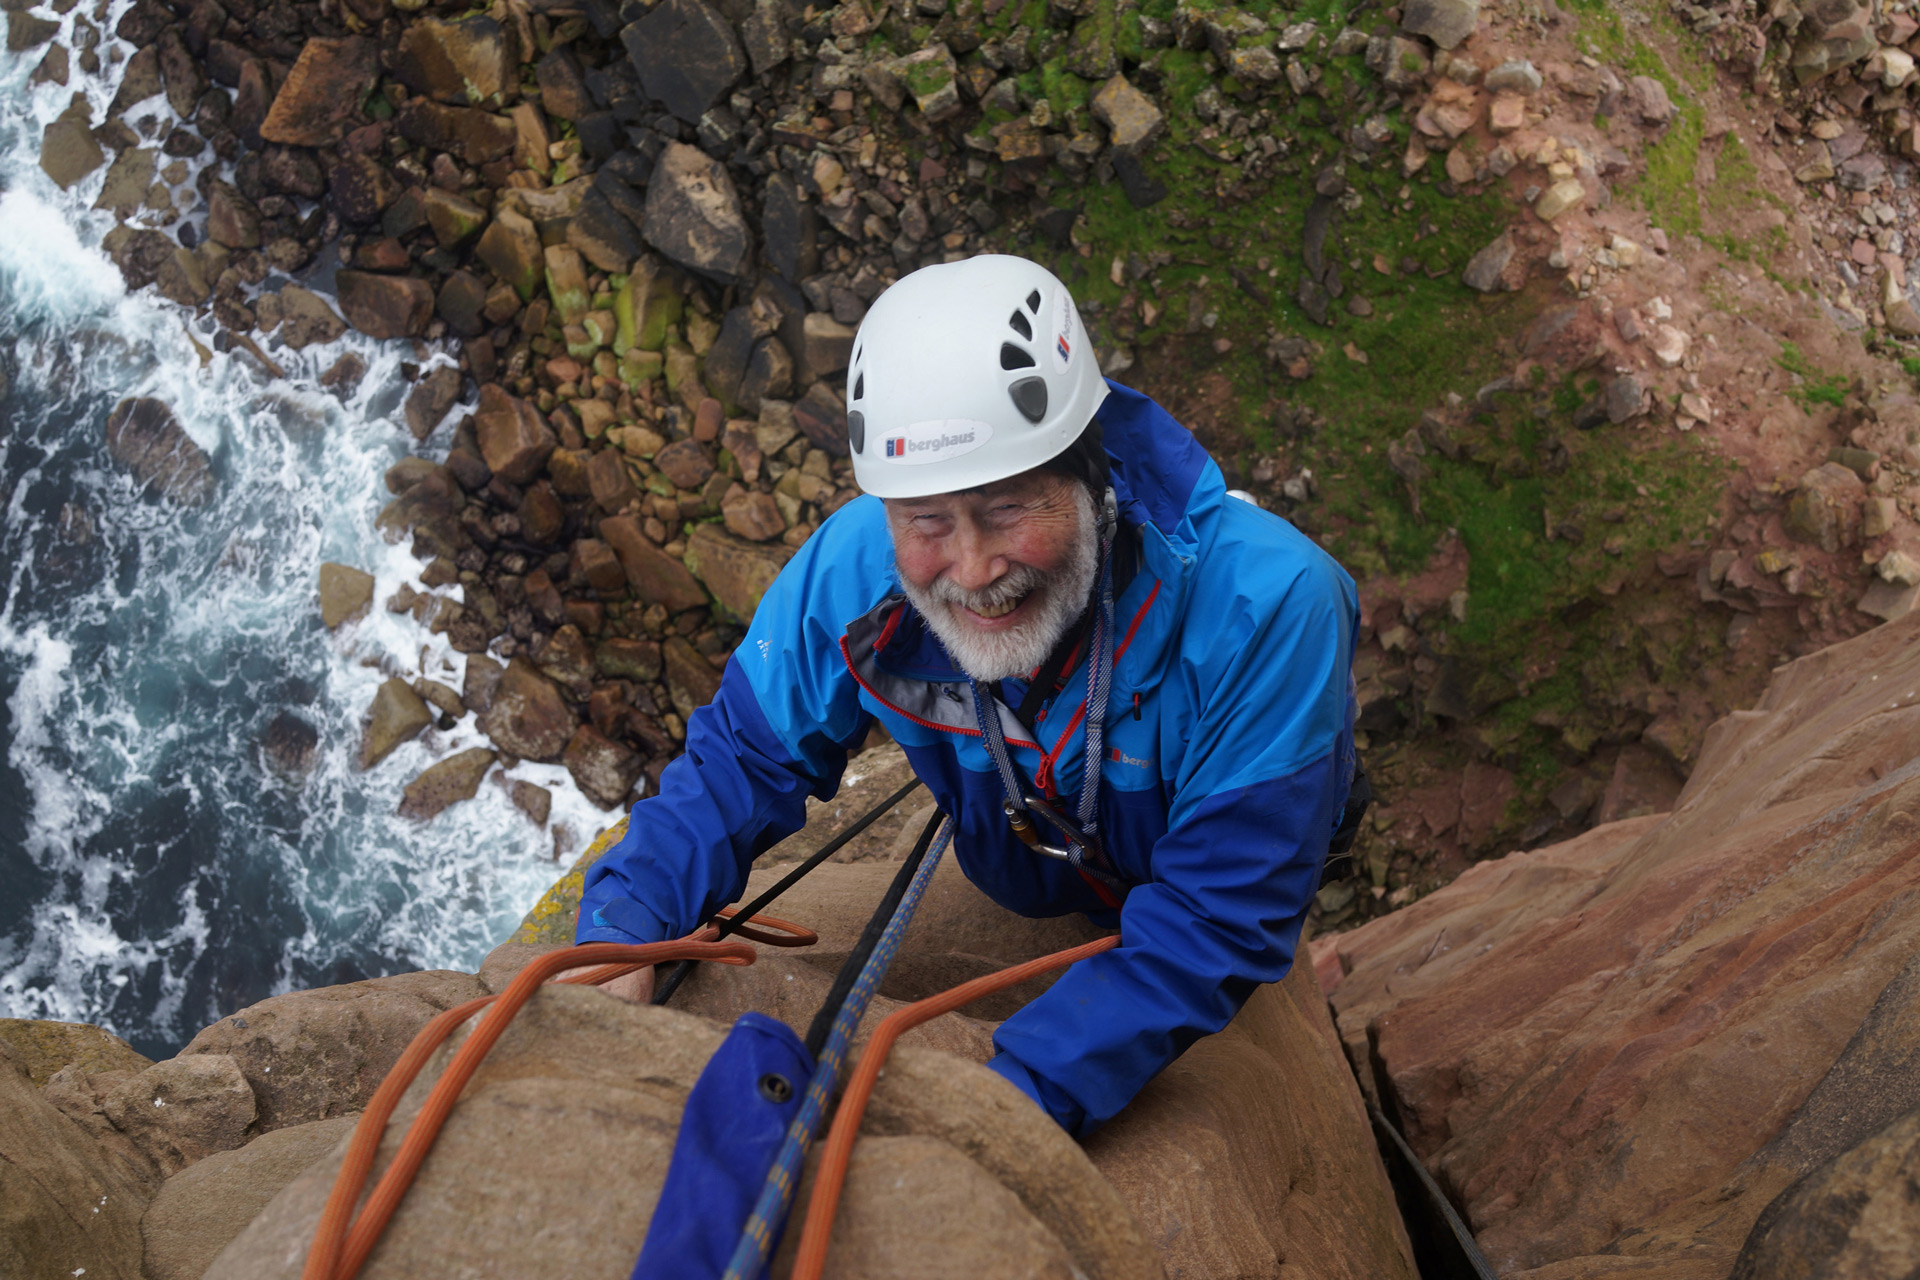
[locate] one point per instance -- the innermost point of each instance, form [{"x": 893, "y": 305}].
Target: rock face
[
  {"x": 956, "y": 1174},
  {"x": 179, "y": 1111},
  {"x": 144, "y": 438},
  {"x": 315, "y": 1055},
  {"x": 693, "y": 214},
  {"x": 66, "y": 1208},
  {"x": 42, "y": 1048},
  {"x": 1709, "y": 1005}
]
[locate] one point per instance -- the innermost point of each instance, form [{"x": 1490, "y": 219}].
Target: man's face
[{"x": 1000, "y": 572}]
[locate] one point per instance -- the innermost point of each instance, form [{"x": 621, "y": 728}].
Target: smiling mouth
[{"x": 999, "y": 610}]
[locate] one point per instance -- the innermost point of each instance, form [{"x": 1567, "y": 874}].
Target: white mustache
[{"x": 997, "y": 596}]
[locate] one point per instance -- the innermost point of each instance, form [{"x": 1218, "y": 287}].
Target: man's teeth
[{"x": 999, "y": 610}]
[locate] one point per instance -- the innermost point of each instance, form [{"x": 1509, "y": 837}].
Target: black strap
[
  {"x": 672, "y": 981},
  {"x": 869, "y": 939},
  {"x": 1339, "y": 863}
]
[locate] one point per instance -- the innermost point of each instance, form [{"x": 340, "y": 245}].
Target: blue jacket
[{"x": 1229, "y": 752}]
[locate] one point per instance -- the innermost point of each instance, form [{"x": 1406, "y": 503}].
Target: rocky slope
[
  {"x": 1679, "y": 1041},
  {"x": 1249, "y": 1158}
]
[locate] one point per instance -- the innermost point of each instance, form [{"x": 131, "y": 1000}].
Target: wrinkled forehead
[{"x": 1037, "y": 483}]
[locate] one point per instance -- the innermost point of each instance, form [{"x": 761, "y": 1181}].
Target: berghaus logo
[
  {"x": 897, "y": 447},
  {"x": 901, "y": 446},
  {"x": 1060, "y": 341}
]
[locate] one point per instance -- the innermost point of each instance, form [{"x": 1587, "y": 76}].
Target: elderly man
[{"x": 1131, "y": 690}]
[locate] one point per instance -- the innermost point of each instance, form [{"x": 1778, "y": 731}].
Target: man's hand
[{"x": 636, "y": 987}]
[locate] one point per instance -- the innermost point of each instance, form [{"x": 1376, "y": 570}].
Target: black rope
[
  {"x": 869, "y": 939},
  {"x": 1443, "y": 1247},
  {"x": 678, "y": 974}
]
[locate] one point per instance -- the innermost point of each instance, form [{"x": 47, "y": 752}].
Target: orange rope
[
  {"x": 832, "y": 1175},
  {"x": 341, "y": 1242},
  {"x": 790, "y": 935}
]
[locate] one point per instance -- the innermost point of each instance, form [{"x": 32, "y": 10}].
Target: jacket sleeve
[
  {"x": 779, "y": 730},
  {"x": 1231, "y": 879}
]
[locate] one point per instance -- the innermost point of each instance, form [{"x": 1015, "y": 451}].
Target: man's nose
[{"x": 978, "y": 560}]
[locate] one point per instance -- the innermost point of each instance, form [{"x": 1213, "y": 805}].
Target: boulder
[
  {"x": 127, "y": 181},
  {"x": 66, "y": 1207},
  {"x": 737, "y": 571},
  {"x": 627, "y": 659},
  {"x": 144, "y": 438},
  {"x": 1825, "y": 509},
  {"x": 396, "y": 716},
  {"x": 1133, "y": 121},
  {"x": 385, "y": 306},
  {"x": 510, "y": 246},
  {"x": 603, "y": 235},
  {"x": 470, "y": 61},
  {"x": 610, "y": 481},
  {"x": 140, "y": 81},
  {"x": 829, "y": 344},
  {"x": 360, "y": 189},
  {"x": 752, "y": 515},
  {"x": 430, "y": 399},
  {"x": 684, "y": 463},
  {"x": 345, "y": 593},
  {"x": 1486, "y": 270},
  {"x": 690, "y": 679},
  {"x": 514, "y": 439},
  {"x": 687, "y": 56},
  {"x": 566, "y": 283},
  {"x": 563, "y": 89},
  {"x": 184, "y": 1109},
  {"x": 315, "y": 1055},
  {"x": 603, "y": 769},
  {"x": 475, "y": 136},
  {"x": 1707, "y": 1005},
  {"x": 289, "y": 745},
  {"x": 1445, "y": 22},
  {"x": 27, "y": 31},
  {"x": 181, "y": 72},
  {"x": 482, "y": 677},
  {"x": 232, "y": 219},
  {"x": 68, "y": 151},
  {"x": 454, "y": 219},
  {"x": 787, "y": 229},
  {"x": 446, "y": 783},
  {"x": 655, "y": 576},
  {"x": 526, "y": 716},
  {"x": 41, "y": 1048},
  {"x": 323, "y": 92},
  {"x": 199, "y": 1210},
  {"x": 693, "y": 212}
]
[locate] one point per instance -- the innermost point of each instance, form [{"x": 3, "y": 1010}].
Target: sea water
[{"x": 156, "y": 870}]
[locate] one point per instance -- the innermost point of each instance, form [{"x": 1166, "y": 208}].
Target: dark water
[{"x": 155, "y": 871}]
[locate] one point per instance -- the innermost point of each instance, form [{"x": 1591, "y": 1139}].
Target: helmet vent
[
  {"x": 1030, "y": 397},
  {"x": 1012, "y": 357},
  {"x": 857, "y": 431},
  {"x": 1033, "y": 302},
  {"x": 860, "y": 386},
  {"x": 1019, "y": 325}
]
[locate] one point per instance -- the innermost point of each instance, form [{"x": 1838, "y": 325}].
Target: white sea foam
[{"x": 156, "y": 872}]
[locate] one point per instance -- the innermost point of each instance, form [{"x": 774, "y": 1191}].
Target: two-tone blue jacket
[{"x": 1229, "y": 753}]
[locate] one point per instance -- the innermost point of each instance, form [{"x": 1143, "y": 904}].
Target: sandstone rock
[
  {"x": 308, "y": 319},
  {"x": 655, "y": 576},
  {"x": 181, "y": 72},
  {"x": 144, "y": 438},
  {"x": 514, "y": 439},
  {"x": 627, "y": 659},
  {"x": 510, "y": 246},
  {"x": 769, "y": 376},
  {"x": 65, "y": 1206},
  {"x": 184, "y": 1109},
  {"x": 754, "y": 516},
  {"x": 603, "y": 235},
  {"x": 322, "y": 92},
  {"x": 27, "y": 31},
  {"x": 315, "y": 1055},
  {"x": 737, "y": 571},
  {"x": 127, "y": 181},
  {"x": 289, "y": 745},
  {"x": 930, "y": 75},
  {"x": 603, "y": 769},
  {"x": 563, "y": 90},
  {"x": 822, "y": 417},
  {"x": 430, "y": 399},
  {"x": 41, "y": 1048},
  {"x": 360, "y": 189},
  {"x": 140, "y": 81},
  {"x": 829, "y": 344},
  {"x": 68, "y": 151},
  {"x": 1669, "y": 345},
  {"x": 1486, "y": 270},
  {"x": 1825, "y": 509},
  {"x": 566, "y": 283},
  {"x": 1133, "y": 121},
  {"x": 526, "y": 716},
  {"x": 787, "y": 229},
  {"x": 1887, "y": 601},
  {"x": 1559, "y": 198},
  {"x": 345, "y": 593},
  {"x": 693, "y": 211},
  {"x": 199, "y": 1210},
  {"x": 612, "y": 485},
  {"x": 690, "y": 679},
  {"x": 384, "y": 306},
  {"x": 446, "y": 783},
  {"x": 470, "y": 61},
  {"x": 687, "y": 56},
  {"x": 1445, "y": 22},
  {"x": 481, "y": 679},
  {"x": 1833, "y": 1223},
  {"x": 1580, "y": 1008},
  {"x": 475, "y": 136},
  {"x": 1649, "y": 101},
  {"x": 1513, "y": 76},
  {"x": 454, "y": 220},
  {"x": 232, "y": 219},
  {"x": 531, "y": 799},
  {"x": 396, "y": 716},
  {"x": 684, "y": 463}
]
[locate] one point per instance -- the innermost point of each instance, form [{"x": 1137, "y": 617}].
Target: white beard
[{"x": 1062, "y": 595}]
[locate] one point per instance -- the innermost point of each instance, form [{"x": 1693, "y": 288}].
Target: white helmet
[{"x": 966, "y": 373}]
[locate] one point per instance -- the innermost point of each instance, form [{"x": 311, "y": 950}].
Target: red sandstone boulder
[{"x": 513, "y": 439}]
